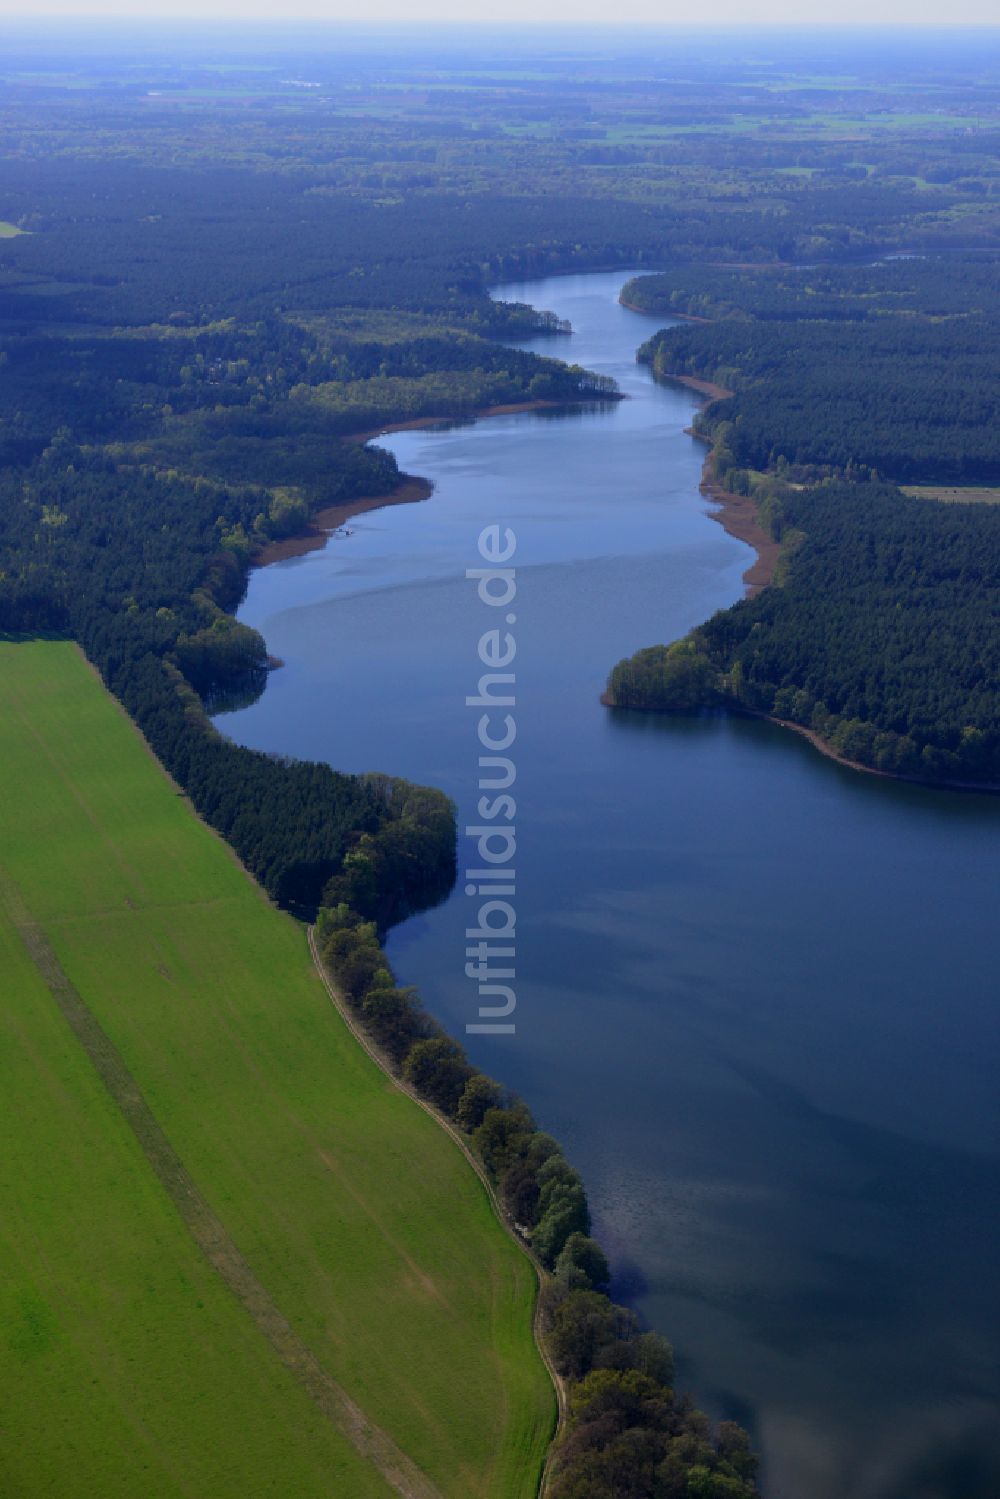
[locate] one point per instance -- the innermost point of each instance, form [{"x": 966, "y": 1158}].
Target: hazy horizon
[{"x": 535, "y": 15}]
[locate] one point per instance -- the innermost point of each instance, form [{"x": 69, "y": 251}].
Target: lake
[{"x": 757, "y": 992}]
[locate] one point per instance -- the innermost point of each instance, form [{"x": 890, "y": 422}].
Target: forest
[
  {"x": 918, "y": 285},
  {"x": 880, "y": 636},
  {"x": 909, "y": 398}
]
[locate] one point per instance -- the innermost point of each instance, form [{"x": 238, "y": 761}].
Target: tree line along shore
[{"x": 877, "y": 638}]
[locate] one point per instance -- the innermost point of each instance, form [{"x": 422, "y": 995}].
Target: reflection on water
[
  {"x": 756, "y": 990},
  {"x": 236, "y": 697}
]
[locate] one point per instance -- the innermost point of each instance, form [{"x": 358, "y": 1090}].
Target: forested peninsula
[{"x": 879, "y": 637}]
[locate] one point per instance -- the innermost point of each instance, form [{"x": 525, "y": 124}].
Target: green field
[
  {"x": 127, "y": 1363},
  {"x": 954, "y": 494},
  {"x": 9, "y": 231}
]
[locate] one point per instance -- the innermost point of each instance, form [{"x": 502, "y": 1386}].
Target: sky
[{"x": 717, "y": 13}]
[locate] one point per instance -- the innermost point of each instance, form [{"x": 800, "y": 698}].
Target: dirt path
[
  {"x": 339, "y": 1003},
  {"x": 208, "y": 1232}
]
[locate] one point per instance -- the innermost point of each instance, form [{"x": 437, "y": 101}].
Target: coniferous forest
[{"x": 880, "y": 634}]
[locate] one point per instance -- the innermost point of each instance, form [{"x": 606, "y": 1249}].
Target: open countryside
[{"x": 345, "y": 1217}]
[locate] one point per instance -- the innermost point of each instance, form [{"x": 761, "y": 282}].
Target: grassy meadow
[
  {"x": 954, "y": 494},
  {"x": 121, "y": 1349}
]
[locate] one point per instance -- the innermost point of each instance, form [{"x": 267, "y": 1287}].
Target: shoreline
[
  {"x": 706, "y": 388},
  {"x": 737, "y": 514},
  {"x": 396, "y": 1080},
  {"x": 512, "y": 408},
  {"x": 685, "y": 317},
  {"x": 739, "y": 710},
  {"x": 826, "y": 749},
  {"x": 410, "y": 490}
]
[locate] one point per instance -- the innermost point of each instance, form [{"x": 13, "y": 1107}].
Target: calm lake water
[{"x": 757, "y": 992}]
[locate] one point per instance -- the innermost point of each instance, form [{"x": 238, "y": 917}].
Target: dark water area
[{"x": 757, "y": 992}]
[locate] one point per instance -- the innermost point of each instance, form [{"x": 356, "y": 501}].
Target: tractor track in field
[
  {"x": 343, "y": 1009},
  {"x": 209, "y": 1233}
]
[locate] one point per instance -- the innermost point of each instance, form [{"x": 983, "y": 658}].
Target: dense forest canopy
[
  {"x": 882, "y": 637},
  {"x": 893, "y": 367},
  {"x": 968, "y": 283},
  {"x": 914, "y": 399}
]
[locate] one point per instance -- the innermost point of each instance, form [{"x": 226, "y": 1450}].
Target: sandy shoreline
[
  {"x": 827, "y": 750},
  {"x": 737, "y": 515},
  {"x": 685, "y": 317},
  {"x": 706, "y": 388},
  {"x": 409, "y": 491},
  {"x": 411, "y": 488},
  {"x": 514, "y": 408}
]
